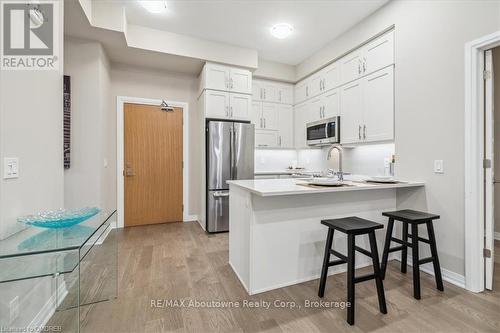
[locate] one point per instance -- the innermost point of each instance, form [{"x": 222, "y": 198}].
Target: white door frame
[
  {"x": 120, "y": 153},
  {"x": 474, "y": 155}
]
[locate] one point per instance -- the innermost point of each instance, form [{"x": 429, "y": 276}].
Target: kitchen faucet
[{"x": 338, "y": 147}]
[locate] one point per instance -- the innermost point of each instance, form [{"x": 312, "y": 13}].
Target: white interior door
[{"x": 488, "y": 172}]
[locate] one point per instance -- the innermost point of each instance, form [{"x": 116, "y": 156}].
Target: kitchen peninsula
[{"x": 276, "y": 238}]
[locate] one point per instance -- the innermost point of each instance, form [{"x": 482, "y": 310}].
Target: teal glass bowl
[{"x": 62, "y": 218}]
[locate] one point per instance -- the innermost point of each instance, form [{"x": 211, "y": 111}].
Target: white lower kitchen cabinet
[
  {"x": 266, "y": 138},
  {"x": 367, "y": 108}
]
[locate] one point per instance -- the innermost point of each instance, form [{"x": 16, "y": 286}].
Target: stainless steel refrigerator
[{"x": 229, "y": 156}]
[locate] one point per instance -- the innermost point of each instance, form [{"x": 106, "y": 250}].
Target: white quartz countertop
[
  {"x": 277, "y": 187},
  {"x": 284, "y": 172}
]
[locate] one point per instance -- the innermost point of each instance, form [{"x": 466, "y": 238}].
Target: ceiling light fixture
[
  {"x": 281, "y": 30},
  {"x": 154, "y": 6}
]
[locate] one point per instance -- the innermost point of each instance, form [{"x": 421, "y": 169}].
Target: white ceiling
[{"x": 247, "y": 23}]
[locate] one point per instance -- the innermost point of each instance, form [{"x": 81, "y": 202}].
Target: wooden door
[{"x": 153, "y": 164}]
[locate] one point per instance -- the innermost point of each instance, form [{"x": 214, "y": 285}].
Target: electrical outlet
[
  {"x": 14, "y": 309},
  {"x": 438, "y": 166}
]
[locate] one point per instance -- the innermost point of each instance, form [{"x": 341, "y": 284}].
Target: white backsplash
[
  {"x": 363, "y": 160},
  {"x": 274, "y": 159},
  {"x": 367, "y": 159}
]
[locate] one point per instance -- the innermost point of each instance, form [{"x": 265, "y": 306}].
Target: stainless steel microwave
[{"x": 323, "y": 132}]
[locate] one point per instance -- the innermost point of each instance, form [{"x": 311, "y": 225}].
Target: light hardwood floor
[{"x": 179, "y": 261}]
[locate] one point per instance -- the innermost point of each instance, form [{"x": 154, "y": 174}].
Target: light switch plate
[
  {"x": 438, "y": 166},
  {"x": 10, "y": 167}
]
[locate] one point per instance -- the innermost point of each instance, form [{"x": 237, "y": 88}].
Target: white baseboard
[
  {"x": 447, "y": 275},
  {"x": 496, "y": 235},
  {"x": 338, "y": 270},
  {"x": 191, "y": 218},
  {"x": 48, "y": 309}
]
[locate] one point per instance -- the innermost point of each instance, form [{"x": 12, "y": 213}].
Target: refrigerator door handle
[
  {"x": 233, "y": 153},
  {"x": 220, "y": 194}
]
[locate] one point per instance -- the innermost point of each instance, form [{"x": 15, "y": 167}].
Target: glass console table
[{"x": 47, "y": 276}]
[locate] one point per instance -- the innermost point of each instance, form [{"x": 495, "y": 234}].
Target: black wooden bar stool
[
  {"x": 353, "y": 226},
  {"x": 415, "y": 218}
]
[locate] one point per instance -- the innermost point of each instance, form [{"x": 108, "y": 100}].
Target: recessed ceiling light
[
  {"x": 281, "y": 30},
  {"x": 154, "y": 6}
]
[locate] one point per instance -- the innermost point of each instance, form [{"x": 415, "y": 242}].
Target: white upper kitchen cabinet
[
  {"x": 240, "y": 81},
  {"x": 256, "y": 114},
  {"x": 315, "y": 109},
  {"x": 379, "y": 53},
  {"x": 219, "y": 77},
  {"x": 271, "y": 91},
  {"x": 330, "y": 76},
  {"x": 351, "y": 66},
  {"x": 285, "y": 93},
  {"x": 315, "y": 85},
  {"x": 301, "y": 91},
  {"x": 239, "y": 106},
  {"x": 216, "y": 104},
  {"x": 331, "y": 103},
  {"x": 266, "y": 138},
  {"x": 224, "y": 105},
  {"x": 379, "y": 106},
  {"x": 371, "y": 57},
  {"x": 302, "y": 117},
  {"x": 285, "y": 126},
  {"x": 270, "y": 116},
  {"x": 351, "y": 111},
  {"x": 367, "y": 108}
]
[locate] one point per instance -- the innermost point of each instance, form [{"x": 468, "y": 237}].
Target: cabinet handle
[
  {"x": 227, "y": 82},
  {"x": 227, "y": 111},
  {"x": 261, "y": 145},
  {"x": 364, "y": 65},
  {"x": 359, "y": 66},
  {"x": 279, "y": 140},
  {"x": 364, "y": 132},
  {"x": 280, "y": 95},
  {"x": 359, "y": 132},
  {"x": 261, "y": 94},
  {"x": 307, "y": 91},
  {"x": 261, "y": 123},
  {"x": 264, "y": 122},
  {"x": 231, "y": 112},
  {"x": 231, "y": 80}
]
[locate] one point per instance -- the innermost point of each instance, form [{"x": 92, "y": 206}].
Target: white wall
[
  {"x": 31, "y": 129},
  {"x": 429, "y": 101},
  {"x": 145, "y": 83},
  {"x": 496, "y": 108},
  {"x": 86, "y": 181},
  {"x": 367, "y": 160},
  {"x": 275, "y": 71}
]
